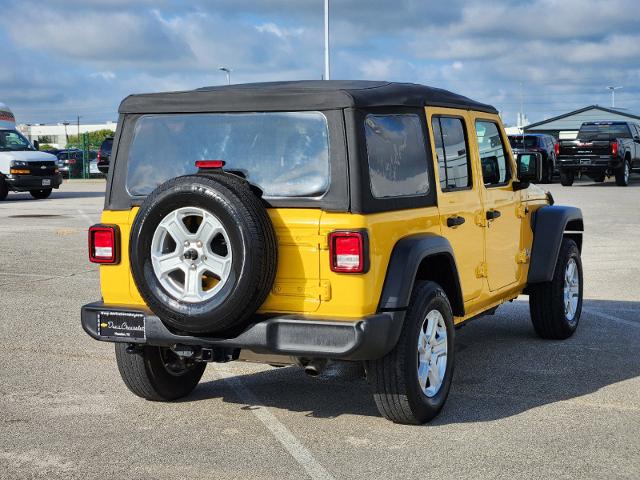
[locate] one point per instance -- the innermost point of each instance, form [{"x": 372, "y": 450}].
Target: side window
[
  {"x": 451, "y": 152},
  {"x": 495, "y": 165},
  {"x": 397, "y": 155}
]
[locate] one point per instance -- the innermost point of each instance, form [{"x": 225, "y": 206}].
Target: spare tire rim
[
  {"x": 571, "y": 289},
  {"x": 191, "y": 254},
  {"x": 432, "y": 353}
]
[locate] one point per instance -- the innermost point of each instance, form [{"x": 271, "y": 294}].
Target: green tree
[{"x": 95, "y": 138}]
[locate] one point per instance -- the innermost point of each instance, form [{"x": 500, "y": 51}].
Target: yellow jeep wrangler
[{"x": 299, "y": 222}]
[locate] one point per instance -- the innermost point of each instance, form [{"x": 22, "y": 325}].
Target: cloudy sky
[{"x": 62, "y": 58}]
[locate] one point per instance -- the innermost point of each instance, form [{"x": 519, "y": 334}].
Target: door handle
[
  {"x": 493, "y": 214},
  {"x": 455, "y": 221}
]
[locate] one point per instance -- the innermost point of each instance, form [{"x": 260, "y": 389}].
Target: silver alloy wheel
[
  {"x": 432, "y": 353},
  {"x": 627, "y": 172},
  {"x": 191, "y": 254},
  {"x": 571, "y": 289}
]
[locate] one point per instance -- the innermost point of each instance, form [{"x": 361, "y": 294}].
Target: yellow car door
[
  {"x": 459, "y": 202},
  {"x": 501, "y": 203}
]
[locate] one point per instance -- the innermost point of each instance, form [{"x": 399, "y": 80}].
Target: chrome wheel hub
[
  {"x": 432, "y": 353},
  {"x": 191, "y": 254},
  {"x": 627, "y": 172},
  {"x": 571, "y": 289}
]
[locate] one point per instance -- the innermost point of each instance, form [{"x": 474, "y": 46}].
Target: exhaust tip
[{"x": 311, "y": 370}]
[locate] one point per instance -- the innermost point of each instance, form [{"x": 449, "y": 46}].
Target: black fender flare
[
  {"x": 406, "y": 258},
  {"x": 549, "y": 225}
]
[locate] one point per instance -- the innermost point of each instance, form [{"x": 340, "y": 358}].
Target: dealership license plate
[
  {"x": 585, "y": 161},
  {"x": 121, "y": 325},
  {"x": 46, "y": 182}
]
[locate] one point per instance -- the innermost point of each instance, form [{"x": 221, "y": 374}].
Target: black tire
[
  {"x": 145, "y": 373},
  {"x": 546, "y": 300},
  {"x": 623, "y": 173},
  {"x": 253, "y": 248},
  {"x": 4, "y": 190},
  {"x": 566, "y": 178},
  {"x": 547, "y": 172},
  {"x": 394, "y": 378},
  {"x": 598, "y": 178},
  {"x": 41, "y": 193}
]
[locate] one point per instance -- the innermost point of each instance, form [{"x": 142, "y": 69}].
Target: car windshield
[
  {"x": 604, "y": 131},
  {"x": 529, "y": 142},
  {"x": 285, "y": 154},
  {"x": 13, "y": 141}
]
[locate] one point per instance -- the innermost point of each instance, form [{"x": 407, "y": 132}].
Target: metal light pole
[
  {"x": 613, "y": 95},
  {"x": 327, "y": 69},
  {"x": 228, "y": 72}
]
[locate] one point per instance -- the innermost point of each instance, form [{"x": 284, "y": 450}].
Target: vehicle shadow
[
  {"x": 22, "y": 197},
  {"x": 634, "y": 181},
  {"x": 502, "y": 369}
]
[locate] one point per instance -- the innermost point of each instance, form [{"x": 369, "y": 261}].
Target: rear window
[
  {"x": 105, "y": 148},
  {"x": 397, "y": 155},
  {"x": 604, "y": 131},
  {"x": 286, "y": 154},
  {"x": 517, "y": 142}
]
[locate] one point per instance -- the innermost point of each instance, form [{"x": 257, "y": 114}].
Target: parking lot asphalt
[{"x": 520, "y": 407}]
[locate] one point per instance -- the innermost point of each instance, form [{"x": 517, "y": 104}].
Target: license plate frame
[
  {"x": 121, "y": 326},
  {"x": 585, "y": 161},
  {"x": 46, "y": 182}
]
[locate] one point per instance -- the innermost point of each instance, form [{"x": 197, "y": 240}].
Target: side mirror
[
  {"x": 490, "y": 170},
  {"x": 529, "y": 167},
  {"x": 36, "y": 144}
]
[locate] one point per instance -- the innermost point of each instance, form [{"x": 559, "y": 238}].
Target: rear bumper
[
  {"x": 365, "y": 338},
  {"x": 595, "y": 164},
  {"x": 23, "y": 183}
]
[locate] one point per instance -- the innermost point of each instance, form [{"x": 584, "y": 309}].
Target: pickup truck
[{"x": 601, "y": 149}]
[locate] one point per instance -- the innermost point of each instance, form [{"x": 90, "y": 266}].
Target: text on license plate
[
  {"x": 46, "y": 182},
  {"x": 121, "y": 324},
  {"x": 585, "y": 161}
]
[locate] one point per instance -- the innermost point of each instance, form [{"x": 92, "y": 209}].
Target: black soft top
[{"x": 300, "y": 95}]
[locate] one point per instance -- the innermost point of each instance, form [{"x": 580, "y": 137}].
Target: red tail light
[
  {"x": 614, "y": 148},
  {"x": 556, "y": 148},
  {"x": 103, "y": 243},
  {"x": 210, "y": 163},
  {"x": 348, "y": 252},
  {"x": 99, "y": 154}
]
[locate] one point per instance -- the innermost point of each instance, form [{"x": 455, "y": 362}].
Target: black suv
[
  {"x": 540, "y": 143},
  {"x": 104, "y": 154}
]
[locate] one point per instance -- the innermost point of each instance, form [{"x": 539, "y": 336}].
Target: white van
[{"x": 22, "y": 167}]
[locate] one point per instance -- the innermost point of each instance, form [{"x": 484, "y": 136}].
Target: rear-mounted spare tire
[{"x": 203, "y": 253}]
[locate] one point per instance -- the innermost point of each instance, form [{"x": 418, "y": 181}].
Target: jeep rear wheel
[
  {"x": 203, "y": 253},
  {"x": 156, "y": 373},
  {"x": 411, "y": 383},
  {"x": 556, "y": 306}
]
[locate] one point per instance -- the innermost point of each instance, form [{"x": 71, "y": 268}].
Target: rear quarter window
[{"x": 396, "y": 154}]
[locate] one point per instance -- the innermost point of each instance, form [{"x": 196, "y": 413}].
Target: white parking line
[
  {"x": 613, "y": 318},
  {"x": 298, "y": 451}
]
